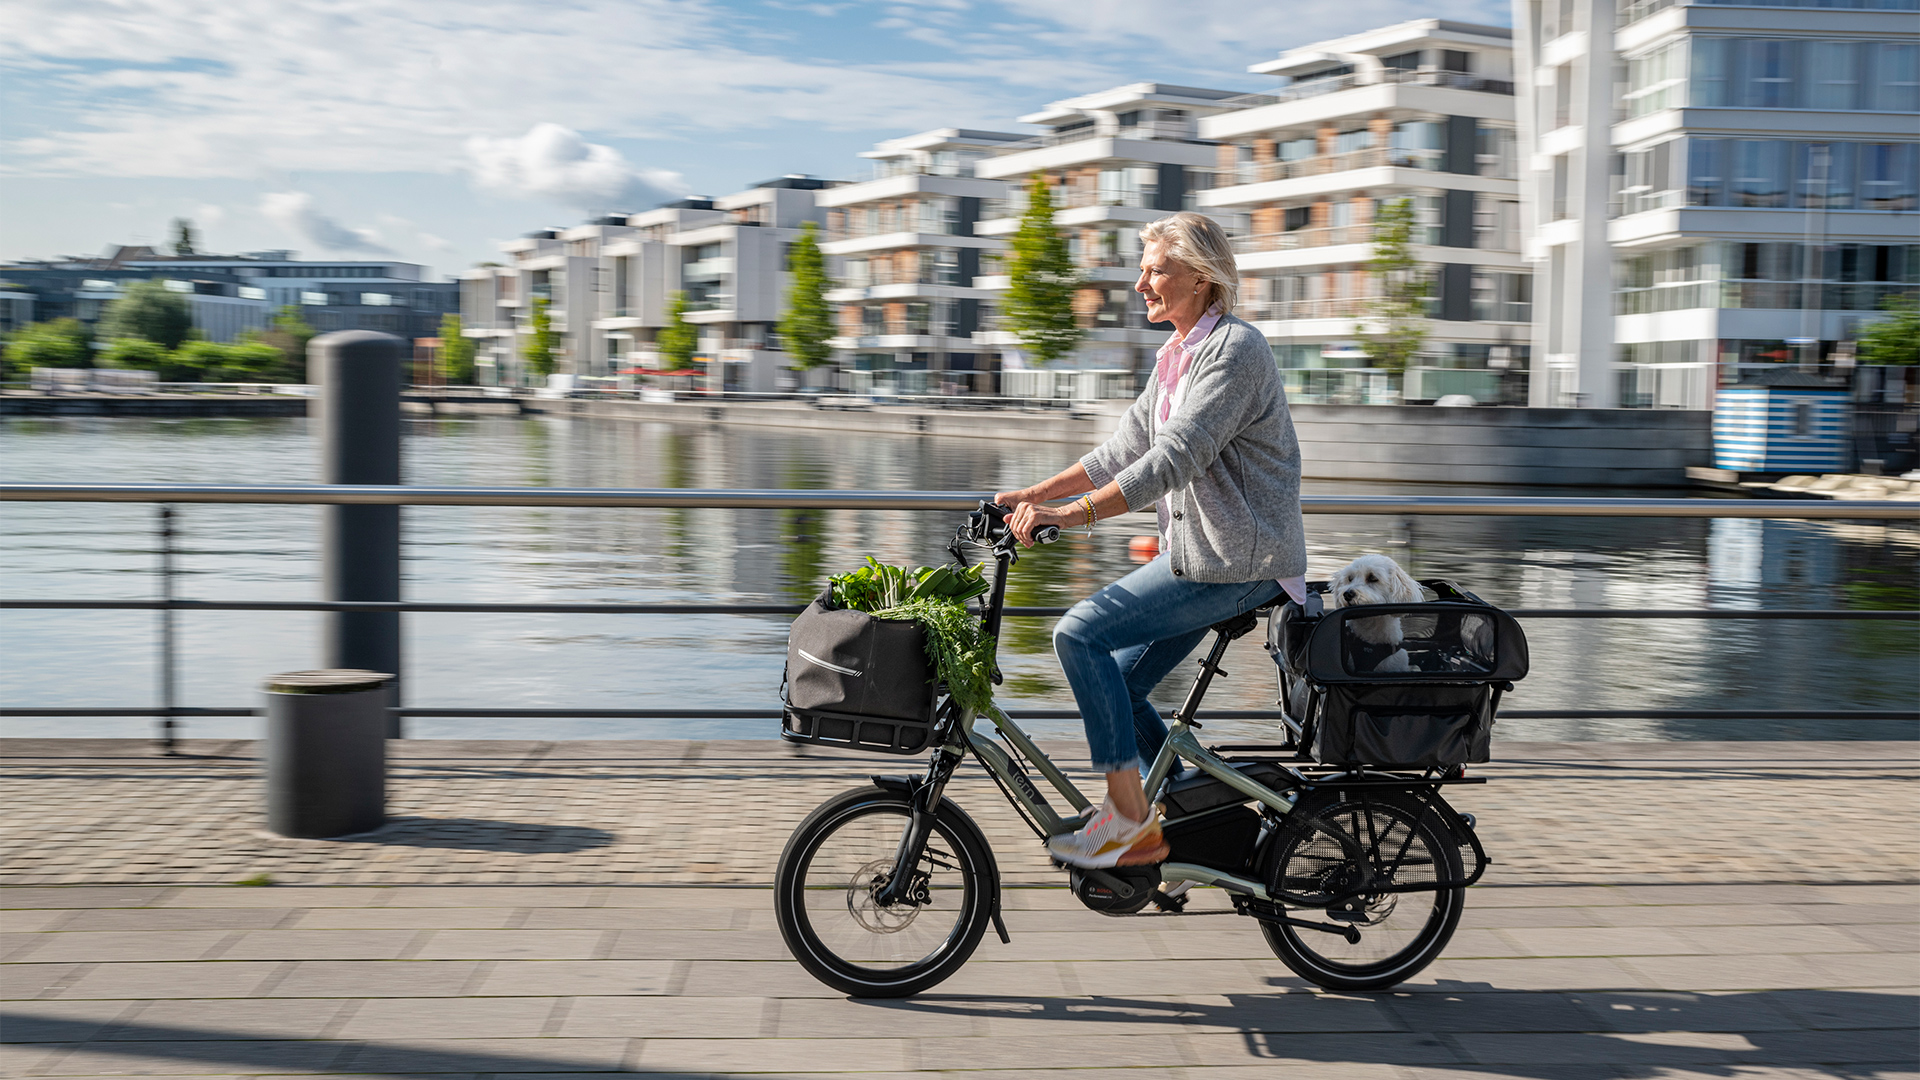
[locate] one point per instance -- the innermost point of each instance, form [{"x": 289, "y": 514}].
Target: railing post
[
  {"x": 167, "y": 684},
  {"x": 360, "y": 374}
]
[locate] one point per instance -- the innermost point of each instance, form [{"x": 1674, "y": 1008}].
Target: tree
[
  {"x": 1396, "y": 323},
  {"x": 289, "y": 333},
  {"x": 62, "y": 343},
  {"x": 679, "y": 339},
  {"x": 1042, "y": 281},
  {"x": 541, "y": 347},
  {"x": 141, "y": 354},
  {"x": 243, "y": 361},
  {"x": 183, "y": 239},
  {"x": 809, "y": 320},
  {"x": 148, "y": 309},
  {"x": 1894, "y": 340},
  {"x": 456, "y": 352}
]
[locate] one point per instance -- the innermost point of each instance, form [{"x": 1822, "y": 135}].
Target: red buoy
[{"x": 1143, "y": 548}]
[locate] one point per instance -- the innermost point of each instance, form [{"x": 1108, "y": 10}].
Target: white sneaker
[{"x": 1110, "y": 839}]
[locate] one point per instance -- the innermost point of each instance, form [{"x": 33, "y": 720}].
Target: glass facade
[
  {"x": 1769, "y": 275},
  {"x": 1801, "y": 175},
  {"x": 1785, "y": 73}
]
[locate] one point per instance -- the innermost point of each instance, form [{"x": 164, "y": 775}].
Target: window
[
  {"x": 1502, "y": 295},
  {"x": 1769, "y": 74},
  {"x": 1296, "y": 149},
  {"x": 1406, "y": 61},
  {"x": 1823, "y": 175},
  {"x": 1563, "y": 95},
  {"x": 1348, "y": 141},
  {"x": 1419, "y": 144},
  {"x": 1456, "y": 61},
  {"x": 1759, "y": 173},
  {"x": 1708, "y": 76},
  {"x": 1560, "y": 180},
  {"x": 1429, "y": 219},
  {"x": 1656, "y": 80},
  {"x": 1649, "y": 178},
  {"x": 1889, "y": 176},
  {"x": 1833, "y": 74},
  {"x": 1896, "y": 77},
  {"x": 1496, "y": 151},
  {"x": 946, "y": 267},
  {"x": 1496, "y": 223}
]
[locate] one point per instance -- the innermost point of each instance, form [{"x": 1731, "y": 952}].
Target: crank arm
[{"x": 1267, "y": 914}]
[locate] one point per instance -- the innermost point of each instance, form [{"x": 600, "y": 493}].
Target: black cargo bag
[
  {"x": 1397, "y": 686},
  {"x": 857, "y": 682}
]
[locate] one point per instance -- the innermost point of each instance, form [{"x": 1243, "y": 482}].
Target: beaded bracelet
[{"x": 1093, "y": 514}]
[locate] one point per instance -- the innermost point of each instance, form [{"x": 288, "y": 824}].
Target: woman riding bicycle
[{"x": 1211, "y": 443}]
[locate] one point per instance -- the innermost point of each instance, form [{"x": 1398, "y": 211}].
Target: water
[{"x": 464, "y": 554}]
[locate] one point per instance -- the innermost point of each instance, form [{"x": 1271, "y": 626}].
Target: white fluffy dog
[{"x": 1376, "y": 579}]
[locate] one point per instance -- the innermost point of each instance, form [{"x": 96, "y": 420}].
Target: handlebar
[{"x": 988, "y": 526}]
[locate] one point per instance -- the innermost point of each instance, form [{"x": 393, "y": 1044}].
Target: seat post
[{"x": 1208, "y": 668}]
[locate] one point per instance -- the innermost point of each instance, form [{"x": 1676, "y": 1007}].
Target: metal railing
[{"x": 167, "y": 496}]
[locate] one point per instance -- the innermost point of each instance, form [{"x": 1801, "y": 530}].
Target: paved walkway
[
  {"x": 1730, "y": 911},
  {"x": 108, "y": 811},
  {"x": 1553, "y": 982}
]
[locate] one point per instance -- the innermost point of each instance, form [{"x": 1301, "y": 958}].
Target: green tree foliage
[
  {"x": 1396, "y": 324},
  {"x": 143, "y": 355},
  {"x": 148, "y": 309},
  {"x": 679, "y": 339},
  {"x": 289, "y": 333},
  {"x": 456, "y": 352},
  {"x": 1041, "y": 283},
  {"x": 541, "y": 348},
  {"x": 246, "y": 360},
  {"x": 183, "y": 238},
  {"x": 1896, "y": 339},
  {"x": 809, "y": 320},
  {"x": 62, "y": 343}
]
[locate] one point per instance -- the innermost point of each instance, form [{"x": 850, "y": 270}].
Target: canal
[{"x": 72, "y": 658}]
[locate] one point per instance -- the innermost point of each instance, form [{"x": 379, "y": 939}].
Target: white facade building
[
  {"x": 905, "y": 254},
  {"x": 1115, "y": 160},
  {"x": 1421, "y": 111},
  {"x": 1712, "y": 187}
]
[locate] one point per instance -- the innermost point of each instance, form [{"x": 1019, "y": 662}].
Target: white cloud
[
  {"x": 553, "y": 162},
  {"x": 209, "y": 214},
  {"x": 294, "y": 211}
]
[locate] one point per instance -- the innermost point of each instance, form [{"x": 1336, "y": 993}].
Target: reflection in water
[{"x": 564, "y": 554}]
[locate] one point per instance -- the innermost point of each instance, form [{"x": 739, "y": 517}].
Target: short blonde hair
[{"x": 1201, "y": 245}]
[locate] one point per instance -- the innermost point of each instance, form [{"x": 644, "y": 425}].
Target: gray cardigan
[{"x": 1226, "y": 462}]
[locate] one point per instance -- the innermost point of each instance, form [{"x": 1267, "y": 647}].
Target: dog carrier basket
[
  {"x": 857, "y": 682},
  {"x": 1396, "y": 686}
]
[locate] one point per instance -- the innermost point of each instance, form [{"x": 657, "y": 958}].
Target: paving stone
[
  {"x": 1285, "y": 1013},
  {"x": 115, "y": 919},
  {"x": 57, "y": 1021},
  {"x": 85, "y": 896},
  {"x": 1843, "y": 1009},
  {"x": 1655, "y": 1011},
  {"x": 452, "y": 1018},
  {"x": 488, "y": 1056},
  {"x": 1599, "y": 941},
  {"x": 681, "y": 1017},
  {"x": 778, "y": 1055},
  {"x": 189, "y": 1058},
  {"x": 1771, "y": 939},
  {"x": 1448, "y": 975},
  {"x": 1487, "y": 1012},
  {"x": 279, "y": 896},
  {"x": 33, "y": 921},
  {"x": 1577, "y": 1048},
  {"x": 202, "y": 1020},
  {"x": 320, "y": 944},
  {"x": 128, "y": 946},
  {"x": 374, "y": 979},
  {"x": 384, "y": 918},
  {"x": 563, "y": 978},
  {"x": 699, "y": 945},
  {"x": 1747, "y": 972},
  {"x": 1373, "y": 1048},
  {"x": 164, "y": 980},
  {"x": 512, "y": 945}
]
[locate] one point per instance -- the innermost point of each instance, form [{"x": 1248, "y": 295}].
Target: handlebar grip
[{"x": 1046, "y": 534}]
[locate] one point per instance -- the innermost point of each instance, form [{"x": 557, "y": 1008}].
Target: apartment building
[
  {"x": 905, "y": 255},
  {"x": 1713, "y": 187},
  {"x": 609, "y": 283},
  {"x": 1115, "y": 160},
  {"x": 1422, "y": 111}
]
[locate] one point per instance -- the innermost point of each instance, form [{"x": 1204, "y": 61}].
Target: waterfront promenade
[{"x": 1719, "y": 910}]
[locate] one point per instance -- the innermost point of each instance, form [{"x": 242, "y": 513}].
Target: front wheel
[
  {"x": 1336, "y": 841},
  {"x": 834, "y": 867}
]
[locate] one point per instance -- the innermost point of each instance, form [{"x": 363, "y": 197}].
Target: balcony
[
  {"x": 1154, "y": 130},
  {"x": 1260, "y": 172},
  {"x": 1343, "y": 307},
  {"x": 1321, "y": 236}
]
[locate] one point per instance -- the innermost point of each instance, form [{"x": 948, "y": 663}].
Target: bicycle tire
[
  {"x": 1403, "y": 842},
  {"x": 844, "y": 877}
]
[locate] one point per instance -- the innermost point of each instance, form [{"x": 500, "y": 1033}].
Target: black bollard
[
  {"x": 360, "y": 373},
  {"x": 326, "y": 752}
]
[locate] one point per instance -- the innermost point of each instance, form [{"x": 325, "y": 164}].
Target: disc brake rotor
[{"x": 873, "y": 916}]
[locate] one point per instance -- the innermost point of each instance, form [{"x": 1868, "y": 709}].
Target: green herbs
[
  {"x": 961, "y": 655},
  {"x": 936, "y": 598},
  {"x": 876, "y": 585}
]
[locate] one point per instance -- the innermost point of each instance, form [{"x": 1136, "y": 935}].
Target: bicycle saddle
[{"x": 1239, "y": 625}]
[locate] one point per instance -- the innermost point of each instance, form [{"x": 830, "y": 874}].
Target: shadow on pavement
[
  {"x": 479, "y": 834},
  {"x": 1536, "y": 1036}
]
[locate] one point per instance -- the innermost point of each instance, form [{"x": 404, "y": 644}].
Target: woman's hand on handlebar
[
  {"x": 1029, "y": 516},
  {"x": 1013, "y": 500}
]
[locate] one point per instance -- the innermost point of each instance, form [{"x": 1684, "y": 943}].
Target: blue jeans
[{"x": 1116, "y": 645}]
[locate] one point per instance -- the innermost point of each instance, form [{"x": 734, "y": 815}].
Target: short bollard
[{"x": 326, "y": 752}]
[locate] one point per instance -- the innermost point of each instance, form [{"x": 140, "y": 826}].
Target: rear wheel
[
  {"x": 1336, "y": 841},
  {"x": 836, "y": 863}
]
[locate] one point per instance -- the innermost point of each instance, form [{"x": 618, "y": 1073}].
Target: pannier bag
[
  {"x": 1397, "y": 686},
  {"x": 858, "y": 682}
]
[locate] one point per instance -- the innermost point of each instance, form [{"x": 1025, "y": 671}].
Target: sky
[{"x": 432, "y": 130}]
